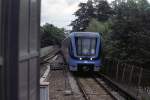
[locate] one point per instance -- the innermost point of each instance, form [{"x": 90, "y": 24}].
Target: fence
[{"x": 133, "y": 79}]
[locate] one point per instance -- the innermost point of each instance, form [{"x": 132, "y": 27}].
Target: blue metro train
[{"x": 82, "y": 51}]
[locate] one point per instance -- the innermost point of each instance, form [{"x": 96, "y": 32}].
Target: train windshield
[{"x": 86, "y": 46}]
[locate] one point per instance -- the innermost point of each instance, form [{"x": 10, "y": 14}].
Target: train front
[{"x": 85, "y": 51}]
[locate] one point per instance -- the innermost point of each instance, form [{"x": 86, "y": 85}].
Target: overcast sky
[{"x": 59, "y": 12}]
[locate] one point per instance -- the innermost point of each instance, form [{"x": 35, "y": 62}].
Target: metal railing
[{"x": 135, "y": 80}]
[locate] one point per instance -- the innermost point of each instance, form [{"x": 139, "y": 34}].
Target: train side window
[{"x": 71, "y": 49}]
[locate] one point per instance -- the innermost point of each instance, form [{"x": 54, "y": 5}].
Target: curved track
[{"x": 46, "y": 60}]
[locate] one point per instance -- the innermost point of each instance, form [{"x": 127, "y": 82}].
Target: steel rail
[
  {"x": 115, "y": 86},
  {"x": 104, "y": 87},
  {"x": 81, "y": 87},
  {"x": 44, "y": 60},
  {"x": 49, "y": 56},
  {"x": 94, "y": 78}
]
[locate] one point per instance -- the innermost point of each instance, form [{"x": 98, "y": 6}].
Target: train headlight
[
  {"x": 91, "y": 58},
  {"x": 80, "y": 58}
]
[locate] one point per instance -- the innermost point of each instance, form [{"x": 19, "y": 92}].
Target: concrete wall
[{"x": 19, "y": 49}]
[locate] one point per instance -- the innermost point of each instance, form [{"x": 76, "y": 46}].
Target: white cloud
[{"x": 59, "y": 12}]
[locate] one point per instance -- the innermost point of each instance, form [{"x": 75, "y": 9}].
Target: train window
[
  {"x": 93, "y": 42},
  {"x": 70, "y": 48},
  {"x": 79, "y": 46},
  {"x": 86, "y": 46}
]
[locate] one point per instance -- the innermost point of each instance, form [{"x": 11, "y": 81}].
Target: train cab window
[
  {"x": 79, "y": 47},
  {"x": 93, "y": 45},
  {"x": 86, "y": 46}
]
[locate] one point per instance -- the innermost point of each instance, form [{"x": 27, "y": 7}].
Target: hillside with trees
[
  {"x": 51, "y": 35},
  {"x": 124, "y": 25}
]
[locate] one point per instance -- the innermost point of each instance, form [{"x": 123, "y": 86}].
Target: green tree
[
  {"x": 131, "y": 31},
  {"x": 103, "y": 10},
  {"x": 84, "y": 14},
  {"x": 51, "y": 35},
  {"x": 98, "y": 9},
  {"x": 104, "y": 28}
]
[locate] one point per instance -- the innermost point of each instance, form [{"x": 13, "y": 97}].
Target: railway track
[
  {"x": 92, "y": 89},
  {"x": 46, "y": 60},
  {"x": 49, "y": 56}
]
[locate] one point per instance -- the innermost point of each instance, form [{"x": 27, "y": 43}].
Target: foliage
[
  {"x": 84, "y": 14},
  {"x": 103, "y": 10},
  {"x": 97, "y": 26},
  {"x": 98, "y": 9},
  {"x": 131, "y": 31},
  {"x": 51, "y": 35},
  {"x": 124, "y": 25},
  {"x": 104, "y": 28}
]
